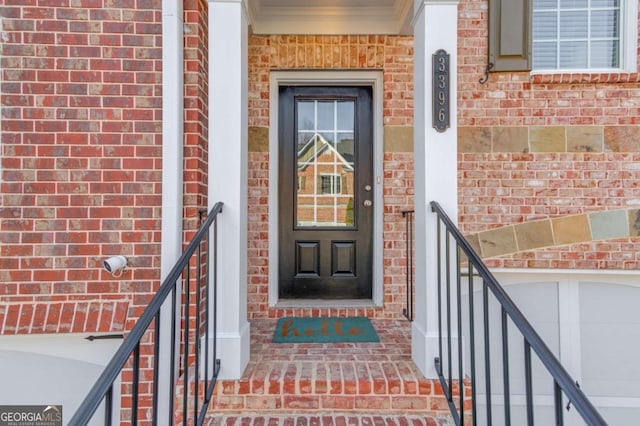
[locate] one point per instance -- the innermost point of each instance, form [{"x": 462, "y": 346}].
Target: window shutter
[{"x": 510, "y": 35}]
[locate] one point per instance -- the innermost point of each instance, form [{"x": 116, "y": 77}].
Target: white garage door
[
  {"x": 591, "y": 321},
  {"x": 53, "y": 370}
]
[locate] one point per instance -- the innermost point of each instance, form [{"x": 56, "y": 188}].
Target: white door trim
[{"x": 372, "y": 78}]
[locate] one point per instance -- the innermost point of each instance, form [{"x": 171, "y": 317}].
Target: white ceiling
[{"x": 330, "y": 16}]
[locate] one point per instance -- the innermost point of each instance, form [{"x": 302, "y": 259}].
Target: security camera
[{"x": 115, "y": 264}]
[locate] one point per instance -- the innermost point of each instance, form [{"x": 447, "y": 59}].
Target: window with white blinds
[{"x": 577, "y": 34}]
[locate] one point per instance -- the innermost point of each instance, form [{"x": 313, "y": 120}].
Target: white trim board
[{"x": 372, "y": 78}]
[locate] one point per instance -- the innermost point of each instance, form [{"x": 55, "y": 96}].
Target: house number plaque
[{"x": 440, "y": 61}]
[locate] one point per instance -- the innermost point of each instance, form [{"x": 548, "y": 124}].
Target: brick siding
[
  {"x": 81, "y": 165},
  {"x": 81, "y": 152},
  {"x": 392, "y": 54},
  {"x": 196, "y": 112}
]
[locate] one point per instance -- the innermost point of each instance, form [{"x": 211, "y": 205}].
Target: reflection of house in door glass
[
  {"x": 325, "y": 182},
  {"x": 325, "y": 152}
]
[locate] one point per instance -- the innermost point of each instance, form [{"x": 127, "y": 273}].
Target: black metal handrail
[
  {"x": 450, "y": 357},
  {"x": 408, "y": 220},
  {"x": 129, "y": 351}
]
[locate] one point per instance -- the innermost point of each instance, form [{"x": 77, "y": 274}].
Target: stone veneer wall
[
  {"x": 552, "y": 196},
  {"x": 393, "y": 55},
  {"x": 548, "y": 164}
]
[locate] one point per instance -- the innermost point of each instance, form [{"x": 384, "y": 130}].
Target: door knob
[{"x": 367, "y": 203}]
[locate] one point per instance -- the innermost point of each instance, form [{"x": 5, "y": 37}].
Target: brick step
[
  {"x": 326, "y": 419},
  {"x": 306, "y": 378},
  {"x": 335, "y": 385}
]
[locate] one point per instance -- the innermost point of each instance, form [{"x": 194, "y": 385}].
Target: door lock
[{"x": 367, "y": 188}]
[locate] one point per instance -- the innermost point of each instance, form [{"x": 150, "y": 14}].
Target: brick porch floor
[{"x": 330, "y": 384}]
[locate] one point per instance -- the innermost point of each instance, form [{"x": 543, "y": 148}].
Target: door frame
[{"x": 370, "y": 78}]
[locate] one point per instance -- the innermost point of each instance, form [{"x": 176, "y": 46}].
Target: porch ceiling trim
[{"x": 338, "y": 17}]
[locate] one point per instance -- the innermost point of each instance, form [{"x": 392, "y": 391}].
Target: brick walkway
[{"x": 297, "y": 383}]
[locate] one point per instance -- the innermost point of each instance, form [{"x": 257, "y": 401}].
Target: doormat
[{"x": 324, "y": 330}]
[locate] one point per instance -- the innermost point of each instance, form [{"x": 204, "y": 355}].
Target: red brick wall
[
  {"x": 196, "y": 111},
  {"x": 81, "y": 158},
  {"x": 498, "y": 187},
  {"x": 393, "y": 55}
]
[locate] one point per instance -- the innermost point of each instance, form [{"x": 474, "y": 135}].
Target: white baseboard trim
[
  {"x": 234, "y": 351},
  {"x": 424, "y": 348}
]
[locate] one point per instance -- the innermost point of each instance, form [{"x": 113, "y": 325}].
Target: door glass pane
[
  {"x": 344, "y": 146},
  {"x": 304, "y": 139},
  {"x": 325, "y": 164},
  {"x": 345, "y": 115},
  {"x": 328, "y": 137},
  {"x": 305, "y": 115},
  {"x": 326, "y": 114}
]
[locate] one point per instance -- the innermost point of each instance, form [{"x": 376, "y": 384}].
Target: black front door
[{"x": 325, "y": 192}]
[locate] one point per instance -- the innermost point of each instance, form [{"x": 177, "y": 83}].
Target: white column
[
  {"x": 228, "y": 87},
  {"x": 172, "y": 180},
  {"x": 435, "y": 27}
]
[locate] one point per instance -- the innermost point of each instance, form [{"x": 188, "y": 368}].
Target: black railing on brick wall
[
  {"x": 466, "y": 365},
  {"x": 196, "y": 271},
  {"x": 407, "y": 311}
]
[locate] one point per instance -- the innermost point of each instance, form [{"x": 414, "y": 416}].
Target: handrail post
[
  {"x": 165, "y": 396},
  {"x": 408, "y": 310},
  {"x": 212, "y": 296}
]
